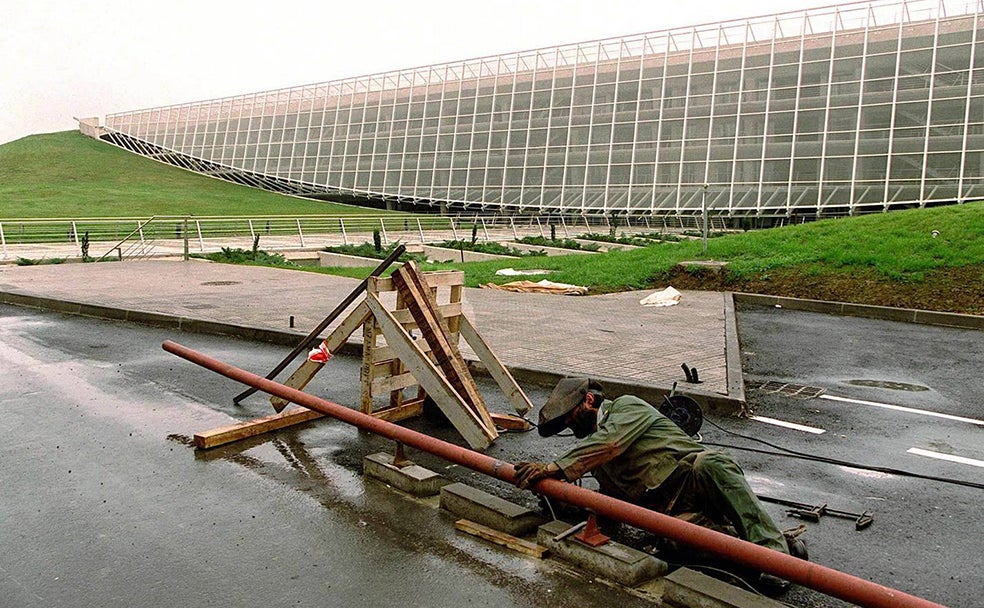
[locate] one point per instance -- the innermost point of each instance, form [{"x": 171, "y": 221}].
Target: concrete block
[
  {"x": 412, "y": 479},
  {"x": 488, "y": 510},
  {"x": 440, "y": 254},
  {"x": 330, "y": 259},
  {"x": 613, "y": 561},
  {"x": 691, "y": 589}
]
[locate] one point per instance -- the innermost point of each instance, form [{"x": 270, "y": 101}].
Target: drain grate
[{"x": 799, "y": 391}]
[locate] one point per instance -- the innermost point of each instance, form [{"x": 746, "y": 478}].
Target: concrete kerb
[{"x": 886, "y": 313}]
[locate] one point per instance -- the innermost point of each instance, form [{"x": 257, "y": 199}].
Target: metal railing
[{"x": 178, "y": 235}]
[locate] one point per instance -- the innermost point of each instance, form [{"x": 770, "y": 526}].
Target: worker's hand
[{"x": 528, "y": 473}]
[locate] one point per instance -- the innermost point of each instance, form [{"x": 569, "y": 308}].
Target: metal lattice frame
[{"x": 843, "y": 109}]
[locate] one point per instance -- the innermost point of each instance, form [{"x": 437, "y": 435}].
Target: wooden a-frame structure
[{"x": 413, "y": 345}]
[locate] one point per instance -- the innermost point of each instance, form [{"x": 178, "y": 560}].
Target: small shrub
[
  {"x": 238, "y": 255},
  {"x": 40, "y": 262},
  {"x": 562, "y": 243},
  {"x": 368, "y": 250},
  {"x": 377, "y": 241},
  {"x": 85, "y": 247},
  {"x": 493, "y": 248}
]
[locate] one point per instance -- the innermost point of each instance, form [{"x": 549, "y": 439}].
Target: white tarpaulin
[
  {"x": 512, "y": 272},
  {"x": 666, "y": 297},
  {"x": 543, "y": 286}
]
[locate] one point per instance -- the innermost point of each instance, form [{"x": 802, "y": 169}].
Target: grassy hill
[
  {"x": 885, "y": 259},
  {"x": 66, "y": 174}
]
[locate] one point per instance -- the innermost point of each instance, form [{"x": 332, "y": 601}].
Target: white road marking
[
  {"x": 789, "y": 425},
  {"x": 950, "y": 457},
  {"x": 900, "y": 408}
]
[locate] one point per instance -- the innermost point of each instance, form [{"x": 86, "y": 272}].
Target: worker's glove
[{"x": 528, "y": 473}]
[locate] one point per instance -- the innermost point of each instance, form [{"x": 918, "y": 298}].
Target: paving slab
[
  {"x": 539, "y": 337},
  {"x": 489, "y": 510}
]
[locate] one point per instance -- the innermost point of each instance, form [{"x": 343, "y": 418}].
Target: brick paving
[{"x": 611, "y": 337}]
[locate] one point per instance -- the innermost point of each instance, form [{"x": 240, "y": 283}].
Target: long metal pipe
[{"x": 826, "y": 580}]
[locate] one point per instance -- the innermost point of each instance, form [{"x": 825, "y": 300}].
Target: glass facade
[{"x": 845, "y": 109}]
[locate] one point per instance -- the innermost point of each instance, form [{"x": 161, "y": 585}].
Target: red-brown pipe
[{"x": 826, "y": 580}]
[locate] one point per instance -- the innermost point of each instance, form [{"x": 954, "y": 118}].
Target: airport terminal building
[{"x": 846, "y": 109}]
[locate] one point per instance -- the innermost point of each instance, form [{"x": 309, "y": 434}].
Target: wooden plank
[
  {"x": 467, "y": 422},
  {"x": 387, "y": 384},
  {"x": 437, "y": 278},
  {"x": 509, "y": 422},
  {"x": 366, "y": 371},
  {"x": 448, "y": 311},
  {"x": 409, "y": 409},
  {"x": 251, "y": 428},
  {"x": 434, "y": 328},
  {"x": 520, "y": 402},
  {"x": 335, "y": 340},
  {"x": 501, "y": 538}
]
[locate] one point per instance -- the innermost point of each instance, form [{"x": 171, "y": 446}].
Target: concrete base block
[
  {"x": 613, "y": 561},
  {"x": 412, "y": 479},
  {"x": 488, "y": 510},
  {"x": 691, "y": 589}
]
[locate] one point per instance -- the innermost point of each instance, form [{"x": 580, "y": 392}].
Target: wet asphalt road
[
  {"x": 926, "y": 536},
  {"x": 104, "y": 504}
]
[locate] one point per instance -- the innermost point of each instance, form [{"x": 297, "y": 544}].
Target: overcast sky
[{"x": 61, "y": 59}]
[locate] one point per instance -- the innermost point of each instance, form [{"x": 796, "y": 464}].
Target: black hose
[{"x": 854, "y": 465}]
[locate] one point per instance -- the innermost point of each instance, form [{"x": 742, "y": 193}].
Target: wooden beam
[
  {"x": 510, "y": 423},
  {"x": 251, "y": 428},
  {"x": 468, "y": 423},
  {"x": 335, "y": 340},
  {"x": 501, "y": 538},
  {"x": 518, "y": 399},
  {"x": 434, "y": 329}
]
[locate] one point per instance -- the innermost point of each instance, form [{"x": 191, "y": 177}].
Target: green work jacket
[{"x": 635, "y": 445}]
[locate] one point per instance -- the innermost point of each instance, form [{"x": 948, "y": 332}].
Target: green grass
[
  {"x": 67, "y": 174},
  {"x": 897, "y": 246}
]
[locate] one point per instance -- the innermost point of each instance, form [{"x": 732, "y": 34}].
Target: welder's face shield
[
  {"x": 582, "y": 420},
  {"x": 566, "y": 396}
]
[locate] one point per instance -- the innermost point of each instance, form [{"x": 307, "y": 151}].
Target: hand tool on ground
[
  {"x": 306, "y": 343},
  {"x": 814, "y": 512}
]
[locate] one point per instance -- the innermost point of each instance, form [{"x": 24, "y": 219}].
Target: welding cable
[{"x": 854, "y": 465}]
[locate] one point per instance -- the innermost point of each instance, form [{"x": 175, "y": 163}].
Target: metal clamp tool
[{"x": 814, "y": 512}]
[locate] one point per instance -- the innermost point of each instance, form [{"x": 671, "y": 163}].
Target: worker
[{"x": 639, "y": 455}]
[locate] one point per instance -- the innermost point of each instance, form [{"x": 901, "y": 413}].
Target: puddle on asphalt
[{"x": 892, "y": 386}]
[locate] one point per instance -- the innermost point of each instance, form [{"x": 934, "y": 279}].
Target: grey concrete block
[
  {"x": 489, "y": 510},
  {"x": 412, "y": 479},
  {"x": 691, "y": 589},
  {"x": 613, "y": 561}
]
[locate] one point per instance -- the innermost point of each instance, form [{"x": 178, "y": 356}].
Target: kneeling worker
[{"x": 639, "y": 455}]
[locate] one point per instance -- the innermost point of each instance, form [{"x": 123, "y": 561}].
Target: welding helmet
[{"x": 567, "y": 395}]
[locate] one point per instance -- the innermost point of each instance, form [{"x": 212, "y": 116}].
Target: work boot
[{"x": 771, "y": 585}]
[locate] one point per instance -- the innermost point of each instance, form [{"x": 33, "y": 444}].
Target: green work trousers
[{"x": 712, "y": 484}]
